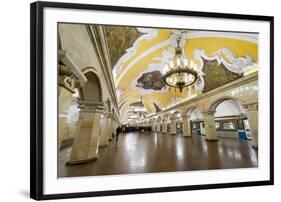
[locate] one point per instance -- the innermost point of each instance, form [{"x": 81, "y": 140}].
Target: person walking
[{"x": 118, "y": 130}]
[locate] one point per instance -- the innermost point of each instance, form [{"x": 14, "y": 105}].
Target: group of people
[{"x": 124, "y": 129}]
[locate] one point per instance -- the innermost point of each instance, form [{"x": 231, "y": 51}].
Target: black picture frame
[{"x": 36, "y": 98}]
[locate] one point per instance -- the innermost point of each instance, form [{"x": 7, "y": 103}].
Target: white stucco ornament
[
  {"x": 232, "y": 62},
  {"x": 148, "y": 34}
]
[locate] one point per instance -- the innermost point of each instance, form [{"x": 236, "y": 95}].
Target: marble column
[
  {"x": 164, "y": 127},
  {"x": 105, "y": 130},
  {"x": 114, "y": 126},
  {"x": 86, "y": 142},
  {"x": 65, "y": 99},
  {"x": 173, "y": 126},
  {"x": 111, "y": 126},
  {"x": 158, "y": 127},
  {"x": 210, "y": 126},
  {"x": 153, "y": 126},
  {"x": 253, "y": 118},
  {"x": 186, "y": 126}
]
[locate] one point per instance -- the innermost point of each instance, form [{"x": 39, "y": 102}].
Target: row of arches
[
  {"x": 221, "y": 108},
  {"x": 224, "y": 117}
]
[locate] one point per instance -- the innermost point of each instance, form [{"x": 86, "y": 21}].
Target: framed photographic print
[{"x": 134, "y": 100}]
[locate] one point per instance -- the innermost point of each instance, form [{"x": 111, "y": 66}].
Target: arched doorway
[
  {"x": 230, "y": 119},
  {"x": 92, "y": 90},
  {"x": 196, "y": 121},
  {"x": 87, "y": 137}
]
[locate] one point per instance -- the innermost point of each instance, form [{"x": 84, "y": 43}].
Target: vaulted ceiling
[{"x": 138, "y": 56}]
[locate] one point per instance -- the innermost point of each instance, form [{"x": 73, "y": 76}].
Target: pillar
[
  {"x": 153, "y": 126},
  {"x": 252, "y": 115},
  {"x": 105, "y": 130},
  {"x": 110, "y": 127},
  {"x": 164, "y": 127},
  {"x": 114, "y": 126},
  {"x": 65, "y": 99},
  {"x": 86, "y": 141},
  {"x": 210, "y": 126},
  {"x": 186, "y": 125},
  {"x": 173, "y": 126},
  {"x": 158, "y": 127}
]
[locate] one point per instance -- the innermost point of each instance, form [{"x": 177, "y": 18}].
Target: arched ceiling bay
[{"x": 137, "y": 71}]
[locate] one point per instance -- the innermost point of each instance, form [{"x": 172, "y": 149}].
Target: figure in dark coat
[{"x": 118, "y": 130}]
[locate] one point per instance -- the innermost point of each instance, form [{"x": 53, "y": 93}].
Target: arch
[
  {"x": 92, "y": 90},
  {"x": 219, "y": 100},
  {"x": 195, "y": 114},
  {"x": 165, "y": 117},
  {"x": 229, "y": 107},
  {"x": 175, "y": 114},
  {"x": 189, "y": 110},
  {"x": 159, "y": 119},
  {"x": 229, "y": 113}
]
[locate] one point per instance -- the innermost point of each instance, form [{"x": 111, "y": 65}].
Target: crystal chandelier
[
  {"x": 179, "y": 72},
  {"x": 138, "y": 111}
]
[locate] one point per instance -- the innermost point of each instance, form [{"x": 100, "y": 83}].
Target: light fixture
[
  {"x": 179, "y": 72},
  {"x": 138, "y": 111}
]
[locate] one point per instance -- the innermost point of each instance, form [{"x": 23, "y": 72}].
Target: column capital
[
  {"x": 251, "y": 106},
  {"x": 107, "y": 115},
  {"x": 173, "y": 118},
  {"x": 185, "y": 116},
  {"x": 90, "y": 106}
]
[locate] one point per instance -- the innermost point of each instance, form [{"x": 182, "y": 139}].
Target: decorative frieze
[{"x": 251, "y": 106}]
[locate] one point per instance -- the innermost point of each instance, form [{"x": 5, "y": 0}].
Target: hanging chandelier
[
  {"x": 179, "y": 72},
  {"x": 138, "y": 111}
]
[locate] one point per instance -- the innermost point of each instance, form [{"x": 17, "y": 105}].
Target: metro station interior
[{"x": 135, "y": 100}]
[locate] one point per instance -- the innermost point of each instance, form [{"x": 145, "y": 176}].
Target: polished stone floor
[{"x": 152, "y": 152}]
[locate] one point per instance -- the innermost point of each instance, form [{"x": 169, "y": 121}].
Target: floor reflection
[{"x": 152, "y": 152}]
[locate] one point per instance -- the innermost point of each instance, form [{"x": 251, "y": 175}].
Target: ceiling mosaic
[
  {"x": 138, "y": 56},
  {"x": 119, "y": 39},
  {"x": 151, "y": 80},
  {"x": 216, "y": 75}
]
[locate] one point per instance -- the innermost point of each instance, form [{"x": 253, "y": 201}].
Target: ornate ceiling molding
[
  {"x": 140, "y": 57},
  {"x": 252, "y": 38},
  {"x": 147, "y": 34},
  {"x": 224, "y": 56}
]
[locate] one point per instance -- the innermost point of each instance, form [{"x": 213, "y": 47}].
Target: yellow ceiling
[{"x": 138, "y": 63}]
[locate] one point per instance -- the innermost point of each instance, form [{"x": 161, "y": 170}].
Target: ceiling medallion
[{"x": 179, "y": 72}]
